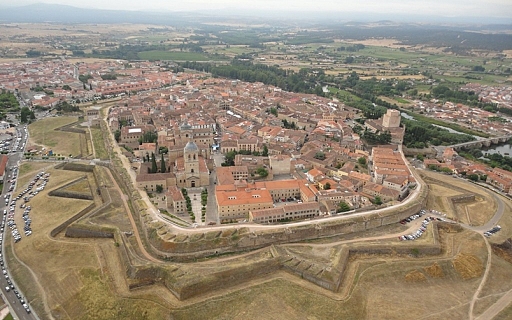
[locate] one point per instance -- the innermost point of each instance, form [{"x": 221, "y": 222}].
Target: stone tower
[
  {"x": 191, "y": 154},
  {"x": 391, "y": 119}
]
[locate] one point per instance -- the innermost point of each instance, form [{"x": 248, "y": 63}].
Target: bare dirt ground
[
  {"x": 77, "y": 282},
  {"x": 79, "y": 276},
  {"x": 442, "y": 187},
  {"x": 392, "y": 43}
]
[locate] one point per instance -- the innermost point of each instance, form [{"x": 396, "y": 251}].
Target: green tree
[
  {"x": 162, "y": 164},
  {"x": 154, "y": 167},
  {"x": 66, "y": 107},
  {"x": 319, "y": 155},
  {"x": 446, "y": 170},
  {"x": 148, "y": 137},
  {"x": 327, "y": 186},
  {"x": 473, "y": 177},
  {"x": 343, "y": 207},
  {"x": 378, "y": 200},
  {"x": 273, "y": 111},
  {"x": 8, "y": 101},
  {"x": 265, "y": 151},
  {"x": 362, "y": 161},
  {"x": 159, "y": 188},
  {"x": 109, "y": 76},
  {"x": 262, "y": 172},
  {"x": 229, "y": 159},
  {"x": 117, "y": 135},
  {"x": 84, "y": 78},
  {"x": 26, "y": 115}
]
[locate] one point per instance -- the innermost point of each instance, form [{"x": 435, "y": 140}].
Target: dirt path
[
  {"x": 92, "y": 142},
  {"x": 132, "y": 221},
  {"x": 496, "y": 308},
  {"x": 484, "y": 279},
  {"x": 36, "y": 280}
]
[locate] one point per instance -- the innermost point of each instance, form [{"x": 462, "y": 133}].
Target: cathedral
[
  {"x": 191, "y": 170},
  {"x": 188, "y": 159}
]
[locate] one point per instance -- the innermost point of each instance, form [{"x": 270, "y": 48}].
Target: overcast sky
[{"x": 476, "y": 8}]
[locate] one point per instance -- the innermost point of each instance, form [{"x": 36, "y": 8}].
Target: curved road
[
  {"x": 492, "y": 311},
  {"x": 9, "y": 297}
]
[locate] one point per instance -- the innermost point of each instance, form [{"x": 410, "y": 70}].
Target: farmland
[{"x": 175, "y": 55}]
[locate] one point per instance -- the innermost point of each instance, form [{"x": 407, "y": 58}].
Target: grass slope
[{"x": 42, "y": 132}]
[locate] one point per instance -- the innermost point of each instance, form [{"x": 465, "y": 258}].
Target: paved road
[{"x": 15, "y": 307}]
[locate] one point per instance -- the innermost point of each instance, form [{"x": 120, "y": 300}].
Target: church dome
[
  {"x": 191, "y": 147},
  {"x": 186, "y": 126}
]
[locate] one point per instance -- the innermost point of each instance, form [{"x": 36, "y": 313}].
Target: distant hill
[
  {"x": 41, "y": 12},
  {"x": 37, "y": 13}
]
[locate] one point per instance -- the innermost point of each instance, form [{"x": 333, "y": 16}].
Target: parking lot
[
  {"x": 36, "y": 185},
  {"x": 424, "y": 224},
  {"x": 8, "y": 221},
  {"x": 13, "y": 146},
  {"x": 492, "y": 231}
]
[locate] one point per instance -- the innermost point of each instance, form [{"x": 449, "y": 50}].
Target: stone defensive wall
[
  {"x": 173, "y": 246},
  {"x": 164, "y": 242},
  {"x": 75, "y": 166},
  {"x": 60, "y": 192},
  {"x": 192, "y": 280},
  {"x": 81, "y": 168},
  {"x": 69, "y": 221},
  {"x": 470, "y": 197},
  {"x": 89, "y": 231},
  {"x": 70, "y": 128}
]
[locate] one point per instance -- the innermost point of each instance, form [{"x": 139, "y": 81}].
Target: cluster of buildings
[
  {"x": 501, "y": 95},
  {"x": 451, "y": 162},
  {"x": 304, "y": 143},
  {"x": 218, "y": 115},
  {"x": 389, "y": 122},
  {"x": 187, "y": 162},
  {"x": 471, "y": 117},
  {"x": 46, "y": 83},
  {"x": 501, "y": 179}
]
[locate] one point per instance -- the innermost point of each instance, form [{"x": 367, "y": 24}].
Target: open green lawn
[
  {"x": 8, "y": 317},
  {"x": 99, "y": 144},
  {"x": 229, "y": 51},
  {"x": 42, "y": 132},
  {"x": 174, "y": 55}
]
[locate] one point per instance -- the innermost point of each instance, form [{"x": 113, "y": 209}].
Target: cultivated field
[{"x": 173, "y": 55}]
